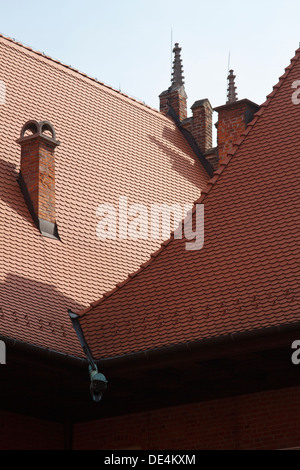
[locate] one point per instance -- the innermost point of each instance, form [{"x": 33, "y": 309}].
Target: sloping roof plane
[
  {"x": 111, "y": 146},
  {"x": 246, "y": 277}
]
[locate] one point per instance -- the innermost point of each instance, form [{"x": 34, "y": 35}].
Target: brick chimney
[
  {"x": 201, "y": 124},
  {"x": 233, "y": 118},
  {"x": 175, "y": 96},
  {"x": 37, "y": 174}
]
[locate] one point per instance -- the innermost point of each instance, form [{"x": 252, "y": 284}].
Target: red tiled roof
[
  {"x": 111, "y": 146},
  {"x": 246, "y": 277}
]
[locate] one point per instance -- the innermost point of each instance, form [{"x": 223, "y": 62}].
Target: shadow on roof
[
  {"x": 180, "y": 163},
  {"x": 10, "y": 191},
  {"x": 37, "y": 310}
]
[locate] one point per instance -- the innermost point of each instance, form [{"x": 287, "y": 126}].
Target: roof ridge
[
  {"x": 83, "y": 74},
  {"x": 205, "y": 191}
]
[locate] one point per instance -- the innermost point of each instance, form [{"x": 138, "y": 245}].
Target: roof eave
[{"x": 213, "y": 342}]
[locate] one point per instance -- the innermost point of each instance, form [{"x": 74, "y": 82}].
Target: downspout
[{"x": 98, "y": 383}]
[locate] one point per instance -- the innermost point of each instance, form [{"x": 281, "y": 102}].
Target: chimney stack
[
  {"x": 233, "y": 118},
  {"x": 201, "y": 124},
  {"x": 37, "y": 174}
]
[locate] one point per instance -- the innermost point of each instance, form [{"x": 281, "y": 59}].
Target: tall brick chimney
[
  {"x": 37, "y": 174},
  {"x": 201, "y": 124},
  {"x": 175, "y": 96},
  {"x": 233, "y": 118}
]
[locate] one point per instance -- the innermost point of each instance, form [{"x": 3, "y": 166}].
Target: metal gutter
[
  {"x": 190, "y": 346},
  {"x": 149, "y": 354},
  {"x": 43, "y": 352}
]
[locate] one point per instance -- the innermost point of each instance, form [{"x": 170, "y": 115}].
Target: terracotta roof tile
[
  {"x": 111, "y": 145},
  {"x": 247, "y": 274}
]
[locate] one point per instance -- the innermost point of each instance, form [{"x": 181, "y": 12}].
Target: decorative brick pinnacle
[
  {"x": 177, "y": 74},
  {"x": 231, "y": 93}
]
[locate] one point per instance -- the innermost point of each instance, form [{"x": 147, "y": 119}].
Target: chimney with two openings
[{"x": 37, "y": 174}]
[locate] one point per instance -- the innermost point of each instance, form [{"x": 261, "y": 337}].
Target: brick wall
[
  {"x": 18, "y": 432},
  {"x": 266, "y": 420}
]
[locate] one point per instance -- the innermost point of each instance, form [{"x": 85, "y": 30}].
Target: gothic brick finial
[
  {"x": 177, "y": 76},
  {"x": 175, "y": 97},
  {"x": 231, "y": 93}
]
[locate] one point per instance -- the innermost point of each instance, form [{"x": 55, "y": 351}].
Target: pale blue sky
[{"x": 127, "y": 44}]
